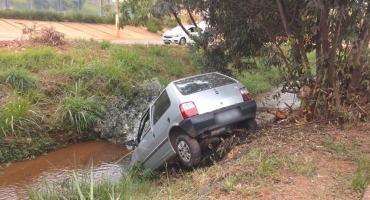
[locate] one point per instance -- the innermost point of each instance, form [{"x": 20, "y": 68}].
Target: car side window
[
  {"x": 146, "y": 128},
  {"x": 160, "y": 106}
]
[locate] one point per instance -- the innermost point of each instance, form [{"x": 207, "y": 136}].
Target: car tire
[
  {"x": 188, "y": 150},
  {"x": 182, "y": 41},
  {"x": 251, "y": 125}
]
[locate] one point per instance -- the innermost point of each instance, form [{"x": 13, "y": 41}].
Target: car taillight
[
  {"x": 245, "y": 94},
  {"x": 188, "y": 109}
]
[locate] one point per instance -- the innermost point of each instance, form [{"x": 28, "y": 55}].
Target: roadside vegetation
[
  {"x": 47, "y": 93},
  {"x": 311, "y": 161},
  {"x": 50, "y": 96},
  {"x": 317, "y": 50}
]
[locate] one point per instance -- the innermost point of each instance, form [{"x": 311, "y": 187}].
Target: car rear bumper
[{"x": 199, "y": 124}]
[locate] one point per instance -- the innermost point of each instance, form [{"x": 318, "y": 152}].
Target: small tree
[{"x": 339, "y": 32}]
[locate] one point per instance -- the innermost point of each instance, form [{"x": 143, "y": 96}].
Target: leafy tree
[
  {"x": 284, "y": 31},
  {"x": 41, "y": 4},
  {"x": 134, "y": 12}
]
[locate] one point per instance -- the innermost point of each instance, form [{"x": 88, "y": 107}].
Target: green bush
[
  {"x": 105, "y": 44},
  {"x": 19, "y": 80},
  {"x": 19, "y": 118},
  {"x": 54, "y": 16},
  {"x": 152, "y": 27},
  {"x": 78, "y": 112}
]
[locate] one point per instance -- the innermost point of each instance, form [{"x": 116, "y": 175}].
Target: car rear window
[{"x": 203, "y": 82}]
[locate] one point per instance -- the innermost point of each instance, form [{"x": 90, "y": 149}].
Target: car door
[
  {"x": 192, "y": 33},
  {"x": 146, "y": 142},
  {"x": 161, "y": 122}
]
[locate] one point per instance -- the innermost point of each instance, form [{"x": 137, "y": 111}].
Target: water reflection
[{"x": 55, "y": 170}]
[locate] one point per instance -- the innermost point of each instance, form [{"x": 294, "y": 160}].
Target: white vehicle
[{"x": 178, "y": 36}]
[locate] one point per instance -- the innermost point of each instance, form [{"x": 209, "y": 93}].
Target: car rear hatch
[{"x": 210, "y": 92}]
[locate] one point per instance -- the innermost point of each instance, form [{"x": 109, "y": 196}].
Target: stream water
[{"x": 59, "y": 165}]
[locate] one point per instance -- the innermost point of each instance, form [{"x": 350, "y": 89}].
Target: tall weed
[
  {"x": 79, "y": 112},
  {"x": 19, "y": 117},
  {"x": 259, "y": 79},
  {"x": 19, "y": 80},
  {"x": 362, "y": 177}
]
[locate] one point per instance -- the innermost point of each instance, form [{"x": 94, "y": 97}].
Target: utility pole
[
  {"x": 117, "y": 18},
  {"x": 7, "y": 4},
  {"x": 60, "y": 6},
  {"x": 101, "y": 7},
  {"x": 31, "y": 4}
]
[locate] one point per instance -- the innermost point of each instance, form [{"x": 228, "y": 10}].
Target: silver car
[{"x": 190, "y": 114}]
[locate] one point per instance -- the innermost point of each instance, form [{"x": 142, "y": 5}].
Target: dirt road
[{"x": 11, "y": 29}]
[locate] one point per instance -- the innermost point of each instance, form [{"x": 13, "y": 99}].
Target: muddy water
[{"x": 59, "y": 165}]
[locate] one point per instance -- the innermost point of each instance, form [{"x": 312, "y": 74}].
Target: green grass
[
  {"x": 361, "y": 179},
  {"x": 18, "y": 80},
  {"x": 40, "y": 83},
  {"x": 338, "y": 148},
  {"x": 259, "y": 79},
  {"x": 133, "y": 184},
  {"x": 19, "y": 117},
  {"x": 45, "y": 78},
  {"x": 80, "y": 112}
]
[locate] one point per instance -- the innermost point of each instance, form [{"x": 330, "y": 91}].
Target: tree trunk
[
  {"x": 297, "y": 54},
  {"x": 284, "y": 18},
  {"x": 324, "y": 51},
  {"x": 179, "y": 21},
  {"x": 331, "y": 70},
  {"x": 319, "y": 67},
  {"x": 361, "y": 48},
  {"x": 191, "y": 17}
]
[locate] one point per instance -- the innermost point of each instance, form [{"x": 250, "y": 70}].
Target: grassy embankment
[
  {"x": 51, "y": 95},
  {"x": 290, "y": 162}
]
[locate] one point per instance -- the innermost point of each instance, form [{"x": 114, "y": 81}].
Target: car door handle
[
  {"x": 153, "y": 134},
  {"x": 168, "y": 120}
]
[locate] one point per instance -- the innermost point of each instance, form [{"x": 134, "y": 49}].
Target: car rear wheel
[
  {"x": 182, "y": 41},
  {"x": 188, "y": 150},
  {"x": 252, "y": 125}
]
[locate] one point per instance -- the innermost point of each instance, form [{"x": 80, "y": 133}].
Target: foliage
[
  {"x": 284, "y": 32},
  {"x": 79, "y": 112},
  {"x": 15, "y": 151},
  {"x": 105, "y": 44},
  {"x": 134, "y": 183},
  {"x": 19, "y": 80},
  {"x": 362, "y": 177},
  {"x": 19, "y": 117},
  {"x": 134, "y": 12},
  {"x": 258, "y": 78},
  {"x": 54, "y": 16},
  {"x": 152, "y": 27},
  {"x": 103, "y": 71}
]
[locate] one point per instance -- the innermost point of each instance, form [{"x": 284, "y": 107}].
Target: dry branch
[{"x": 43, "y": 35}]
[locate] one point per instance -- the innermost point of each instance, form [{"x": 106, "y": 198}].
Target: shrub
[
  {"x": 105, "y": 44},
  {"x": 19, "y": 80},
  {"x": 18, "y": 117},
  {"x": 79, "y": 112},
  {"x": 152, "y": 26},
  {"x": 54, "y": 16}
]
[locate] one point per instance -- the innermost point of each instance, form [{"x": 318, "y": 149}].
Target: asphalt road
[{"x": 11, "y": 29}]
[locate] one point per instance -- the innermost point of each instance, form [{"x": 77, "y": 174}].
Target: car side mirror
[{"x": 131, "y": 143}]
